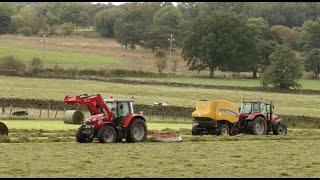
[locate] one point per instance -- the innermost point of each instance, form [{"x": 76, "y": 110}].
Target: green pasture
[{"x": 56, "y": 89}]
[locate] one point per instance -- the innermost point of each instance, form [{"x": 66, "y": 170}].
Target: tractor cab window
[
  {"x": 256, "y": 107},
  {"x": 246, "y": 108},
  {"x": 263, "y": 108},
  {"x": 112, "y": 106},
  {"x": 123, "y": 108}
]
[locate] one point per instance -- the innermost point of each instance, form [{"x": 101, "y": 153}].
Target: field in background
[
  {"x": 306, "y": 83},
  {"x": 84, "y": 53},
  {"x": 56, "y": 89}
]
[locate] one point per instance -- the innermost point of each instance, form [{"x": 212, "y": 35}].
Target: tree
[
  {"x": 312, "y": 62},
  {"x": 7, "y": 10},
  {"x": 220, "y": 40},
  {"x": 129, "y": 27},
  {"x": 29, "y": 18},
  {"x": 285, "y": 69},
  {"x": 286, "y": 34},
  {"x": 166, "y": 21},
  {"x": 5, "y": 21},
  {"x": 67, "y": 28},
  {"x": 10, "y": 63},
  {"x": 310, "y": 36},
  {"x": 174, "y": 68},
  {"x": 161, "y": 60},
  {"x": 104, "y": 21},
  {"x": 36, "y": 64}
]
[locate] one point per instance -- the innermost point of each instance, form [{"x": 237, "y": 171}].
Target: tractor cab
[
  {"x": 256, "y": 107},
  {"x": 120, "y": 109}
]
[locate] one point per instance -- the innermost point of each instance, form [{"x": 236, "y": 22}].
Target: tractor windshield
[
  {"x": 112, "y": 106},
  {"x": 246, "y": 108}
]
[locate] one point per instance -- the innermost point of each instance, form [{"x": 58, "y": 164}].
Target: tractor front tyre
[
  {"x": 224, "y": 130},
  {"x": 82, "y": 138},
  {"x": 4, "y": 131},
  {"x": 281, "y": 129},
  {"x": 107, "y": 134},
  {"x": 137, "y": 131},
  {"x": 259, "y": 126}
]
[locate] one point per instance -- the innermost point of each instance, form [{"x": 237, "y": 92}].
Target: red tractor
[
  {"x": 256, "y": 117},
  {"x": 110, "y": 120}
]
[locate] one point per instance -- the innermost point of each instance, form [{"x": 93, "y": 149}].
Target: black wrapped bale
[
  {"x": 73, "y": 117},
  {"x": 4, "y": 131}
]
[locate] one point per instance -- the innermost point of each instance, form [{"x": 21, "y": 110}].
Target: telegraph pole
[
  {"x": 170, "y": 51},
  {"x": 44, "y": 42}
]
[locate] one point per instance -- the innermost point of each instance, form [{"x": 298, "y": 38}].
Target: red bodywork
[{"x": 100, "y": 113}]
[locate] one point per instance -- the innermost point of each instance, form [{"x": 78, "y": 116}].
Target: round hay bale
[
  {"x": 73, "y": 117},
  {"x": 3, "y": 129}
]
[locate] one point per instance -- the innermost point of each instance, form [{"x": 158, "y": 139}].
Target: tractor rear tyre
[
  {"x": 259, "y": 126},
  {"x": 82, "y": 138},
  {"x": 196, "y": 130},
  {"x": 137, "y": 131},
  {"x": 3, "y": 129},
  {"x": 281, "y": 129},
  {"x": 224, "y": 130},
  {"x": 107, "y": 134}
]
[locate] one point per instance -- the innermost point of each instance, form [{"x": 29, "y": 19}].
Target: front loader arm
[{"x": 95, "y": 103}]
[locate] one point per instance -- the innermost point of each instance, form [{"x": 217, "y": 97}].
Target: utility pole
[
  {"x": 44, "y": 42},
  {"x": 170, "y": 51}
]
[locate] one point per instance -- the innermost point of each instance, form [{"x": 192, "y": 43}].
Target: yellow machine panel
[{"x": 217, "y": 110}]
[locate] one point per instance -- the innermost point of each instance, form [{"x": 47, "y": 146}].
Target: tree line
[{"x": 229, "y": 36}]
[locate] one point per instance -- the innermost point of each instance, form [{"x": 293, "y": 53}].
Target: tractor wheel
[
  {"x": 107, "y": 134},
  {"x": 196, "y": 131},
  {"x": 137, "y": 131},
  {"x": 259, "y": 126},
  {"x": 224, "y": 130},
  {"x": 281, "y": 129},
  {"x": 3, "y": 129},
  {"x": 82, "y": 138}
]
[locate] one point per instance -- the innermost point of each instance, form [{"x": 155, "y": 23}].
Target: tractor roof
[
  {"x": 257, "y": 101},
  {"x": 118, "y": 100}
]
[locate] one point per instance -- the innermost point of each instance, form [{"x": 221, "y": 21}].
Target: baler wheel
[
  {"x": 107, "y": 134},
  {"x": 224, "y": 130}
]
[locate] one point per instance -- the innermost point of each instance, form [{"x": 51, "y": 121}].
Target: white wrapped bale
[{"x": 73, "y": 117}]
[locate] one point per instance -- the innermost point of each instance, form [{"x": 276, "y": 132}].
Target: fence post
[
  {"x": 49, "y": 110},
  {"x": 55, "y": 116},
  {"x": 10, "y": 111},
  {"x": 40, "y": 113}
]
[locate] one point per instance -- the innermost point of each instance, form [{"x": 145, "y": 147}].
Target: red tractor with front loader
[{"x": 110, "y": 120}]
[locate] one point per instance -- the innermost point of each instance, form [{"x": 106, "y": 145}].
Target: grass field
[
  {"x": 83, "y": 53},
  {"x": 186, "y": 159},
  {"x": 56, "y": 89},
  {"x": 49, "y": 150},
  {"x": 306, "y": 83},
  {"x": 59, "y": 125}
]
